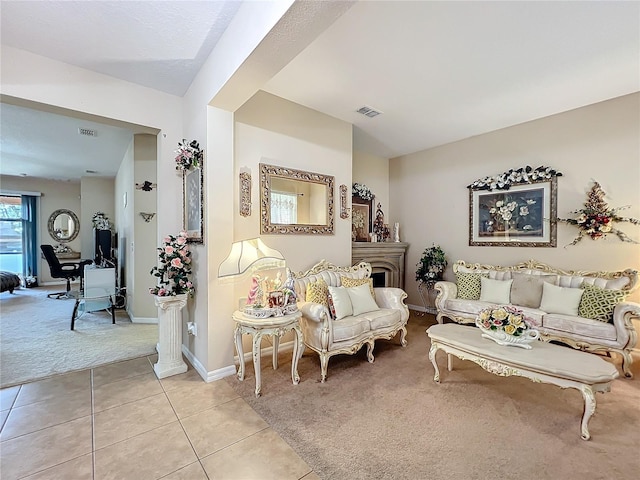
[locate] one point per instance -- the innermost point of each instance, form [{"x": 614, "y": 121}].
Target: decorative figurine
[{"x": 255, "y": 292}]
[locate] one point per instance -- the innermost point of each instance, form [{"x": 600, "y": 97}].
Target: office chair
[{"x": 68, "y": 270}]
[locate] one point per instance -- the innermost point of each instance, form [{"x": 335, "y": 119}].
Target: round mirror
[{"x": 63, "y": 225}]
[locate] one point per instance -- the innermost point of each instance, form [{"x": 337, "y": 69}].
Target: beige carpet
[
  {"x": 389, "y": 420},
  {"x": 36, "y": 342}
]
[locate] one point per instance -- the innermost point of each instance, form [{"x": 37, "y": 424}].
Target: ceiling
[{"x": 439, "y": 71}]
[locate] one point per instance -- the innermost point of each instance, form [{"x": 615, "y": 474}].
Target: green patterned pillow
[
  {"x": 598, "y": 303},
  {"x": 469, "y": 285},
  {"x": 318, "y": 292}
]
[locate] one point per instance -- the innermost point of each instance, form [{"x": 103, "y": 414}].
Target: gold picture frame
[
  {"x": 521, "y": 216},
  {"x": 193, "y": 204}
]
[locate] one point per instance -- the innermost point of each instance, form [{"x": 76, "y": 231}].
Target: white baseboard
[
  {"x": 231, "y": 369},
  {"x": 53, "y": 283},
  {"x": 143, "y": 319},
  {"x": 417, "y": 308},
  {"x": 202, "y": 371}
]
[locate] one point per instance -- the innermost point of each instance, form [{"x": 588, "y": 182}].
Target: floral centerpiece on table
[
  {"x": 188, "y": 155},
  {"x": 505, "y": 318},
  {"x": 101, "y": 221},
  {"x": 175, "y": 267},
  {"x": 432, "y": 264},
  {"x": 596, "y": 218},
  {"x": 506, "y": 325}
]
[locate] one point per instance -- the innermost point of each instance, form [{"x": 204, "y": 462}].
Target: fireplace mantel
[{"x": 387, "y": 257}]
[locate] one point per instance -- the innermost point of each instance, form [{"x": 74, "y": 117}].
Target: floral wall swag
[
  {"x": 101, "y": 221},
  {"x": 362, "y": 191},
  {"x": 511, "y": 177},
  {"x": 189, "y": 155},
  {"x": 596, "y": 218}
]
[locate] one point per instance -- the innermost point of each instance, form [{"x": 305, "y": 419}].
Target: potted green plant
[{"x": 432, "y": 264}]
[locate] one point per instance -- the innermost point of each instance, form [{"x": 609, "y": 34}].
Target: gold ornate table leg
[
  {"x": 276, "y": 345},
  {"x": 257, "y": 339},
  {"x": 238, "y": 339},
  {"x": 298, "y": 349},
  {"x": 432, "y": 357},
  {"x": 589, "y": 410}
]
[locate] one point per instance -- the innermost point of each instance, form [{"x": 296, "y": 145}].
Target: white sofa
[
  {"x": 329, "y": 337},
  {"x": 616, "y": 335}
]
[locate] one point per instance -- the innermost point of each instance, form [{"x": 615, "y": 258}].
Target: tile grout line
[
  {"x": 10, "y": 407},
  {"x": 93, "y": 430},
  {"x": 183, "y": 430}
]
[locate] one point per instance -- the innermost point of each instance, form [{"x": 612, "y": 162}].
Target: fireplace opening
[{"x": 379, "y": 279}]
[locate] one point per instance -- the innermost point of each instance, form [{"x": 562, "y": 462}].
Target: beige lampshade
[{"x": 247, "y": 256}]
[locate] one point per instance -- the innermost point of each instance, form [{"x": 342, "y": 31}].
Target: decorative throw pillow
[
  {"x": 560, "y": 299},
  {"x": 317, "y": 292},
  {"x": 341, "y": 302},
  {"x": 526, "y": 289},
  {"x": 598, "y": 303},
  {"x": 361, "y": 299},
  {"x": 332, "y": 309},
  {"x": 469, "y": 285},
  {"x": 495, "y": 291},
  {"x": 349, "y": 282}
]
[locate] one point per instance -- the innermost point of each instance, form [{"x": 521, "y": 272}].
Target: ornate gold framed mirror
[
  {"x": 63, "y": 225},
  {"x": 295, "y": 201}
]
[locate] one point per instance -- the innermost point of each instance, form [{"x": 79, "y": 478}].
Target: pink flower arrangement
[
  {"x": 188, "y": 155},
  {"x": 174, "y": 268}
]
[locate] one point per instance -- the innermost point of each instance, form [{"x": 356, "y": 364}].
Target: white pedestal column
[{"x": 170, "y": 336}]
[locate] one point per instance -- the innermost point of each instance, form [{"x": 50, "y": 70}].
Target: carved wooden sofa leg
[
  {"x": 324, "y": 364},
  {"x": 627, "y": 360},
  {"x": 370, "y": 346}
]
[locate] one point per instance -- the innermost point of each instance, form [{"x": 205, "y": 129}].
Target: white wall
[
  {"x": 39, "y": 79},
  {"x": 598, "y": 142},
  {"x": 125, "y": 226},
  {"x": 272, "y": 130},
  {"x": 144, "y": 168},
  {"x": 373, "y": 171},
  {"x": 97, "y": 196}
]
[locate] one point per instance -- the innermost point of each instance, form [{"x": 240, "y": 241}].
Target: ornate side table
[
  {"x": 426, "y": 291},
  {"x": 274, "y": 326}
]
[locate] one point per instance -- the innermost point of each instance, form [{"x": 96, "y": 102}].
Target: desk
[
  {"x": 275, "y": 326},
  {"x": 98, "y": 294},
  {"x": 91, "y": 301}
]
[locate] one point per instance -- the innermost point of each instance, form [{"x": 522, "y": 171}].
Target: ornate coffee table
[{"x": 545, "y": 362}]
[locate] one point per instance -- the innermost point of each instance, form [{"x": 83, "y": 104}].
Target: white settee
[
  {"x": 347, "y": 335},
  {"x": 615, "y": 335}
]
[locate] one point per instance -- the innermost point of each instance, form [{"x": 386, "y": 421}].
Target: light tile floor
[{"x": 120, "y": 422}]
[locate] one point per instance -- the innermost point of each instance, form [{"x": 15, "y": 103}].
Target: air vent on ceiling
[
  {"x": 88, "y": 132},
  {"x": 369, "y": 111},
  {"x": 91, "y": 171}
]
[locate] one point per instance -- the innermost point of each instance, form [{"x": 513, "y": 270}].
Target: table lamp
[{"x": 248, "y": 257}]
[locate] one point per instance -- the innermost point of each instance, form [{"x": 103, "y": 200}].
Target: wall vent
[
  {"x": 88, "y": 132},
  {"x": 369, "y": 111}
]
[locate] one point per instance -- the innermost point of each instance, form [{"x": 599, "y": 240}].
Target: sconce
[
  {"x": 146, "y": 186},
  {"x": 245, "y": 192},
  {"x": 344, "y": 211},
  {"x": 147, "y": 216}
]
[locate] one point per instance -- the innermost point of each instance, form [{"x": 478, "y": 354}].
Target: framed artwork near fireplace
[{"x": 361, "y": 218}]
